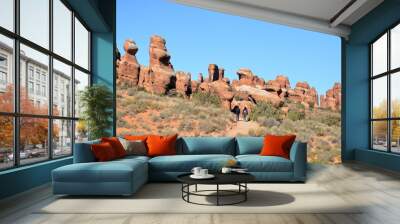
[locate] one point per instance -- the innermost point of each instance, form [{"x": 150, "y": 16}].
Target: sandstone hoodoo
[
  {"x": 128, "y": 67},
  {"x": 159, "y": 77},
  {"x": 213, "y": 72},
  {"x": 218, "y": 85},
  {"x": 332, "y": 100},
  {"x": 183, "y": 83},
  {"x": 246, "y": 77}
]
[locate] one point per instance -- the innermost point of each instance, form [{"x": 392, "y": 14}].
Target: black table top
[{"x": 220, "y": 178}]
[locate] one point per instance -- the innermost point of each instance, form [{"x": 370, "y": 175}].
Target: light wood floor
[{"x": 377, "y": 188}]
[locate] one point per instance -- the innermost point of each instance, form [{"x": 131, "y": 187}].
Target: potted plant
[{"x": 96, "y": 102}]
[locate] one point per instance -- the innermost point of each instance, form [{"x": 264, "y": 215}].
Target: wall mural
[{"x": 158, "y": 99}]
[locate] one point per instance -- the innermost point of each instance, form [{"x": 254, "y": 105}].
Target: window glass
[
  {"x": 395, "y": 94},
  {"x": 395, "y": 136},
  {"x": 6, "y": 142},
  {"x": 62, "y": 29},
  {"x": 33, "y": 140},
  {"x": 379, "y": 56},
  {"x": 62, "y": 137},
  {"x": 395, "y": 47},
  {"x": 6, "y": 74},
  {"x": 39, "y": 62},
  {"x": 81, "y": 45},
  {"x": 379, "y": 135},
  {"x": 62, "y": 91},
  {"x": 81, "y": 82},
  {"x": 34, "y": 21},
  {"x": 379, "y": 97},
  {"x": 81, "y": 131},
  {"x": 7, "y": 14}
]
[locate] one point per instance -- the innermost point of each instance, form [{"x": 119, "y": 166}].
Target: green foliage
[
  {"x": 327, "y": 117},
  {"x": 266, "y": 110},
  {"x": 296, "y": 115},
  {"x": 206, "y": 98},
  {"x": 97, "y": 104}
]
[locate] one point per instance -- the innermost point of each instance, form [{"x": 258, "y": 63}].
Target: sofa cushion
[
  {"x": 161, "y": 145},
  {"x": 112, "y": 171},
  {"x": 103, "y": 152},
  {"x": 116, "y": 145},
  {"x": 277, "y": 145},
  {"x": 185, "y": 163},
  {"x": 257, "y": 163},
  {"x": 83, "y": 153},
  {"x": 249, "y": 145},
  {"x": 134, "y": 147},
  {"x": 206, "y": 145}
]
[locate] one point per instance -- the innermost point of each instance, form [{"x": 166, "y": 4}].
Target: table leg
[
  {"x": 217, "y": 194},
  {"x": 245, "y": 193},
  {"x": 188, "y": 189},
  {"x": 195, "y": 188}
]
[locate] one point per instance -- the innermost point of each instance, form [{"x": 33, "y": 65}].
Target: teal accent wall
[
  {"x": 99, "y": 16},
  {"x": 103, "y": 65},
  {"x": 355, "y": 80}
]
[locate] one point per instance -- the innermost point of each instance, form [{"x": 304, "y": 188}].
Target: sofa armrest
[
  {"x": 83, "y": 152},
  {"x": 298, "y": 155}
]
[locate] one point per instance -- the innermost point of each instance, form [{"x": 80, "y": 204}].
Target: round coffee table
[{"x": 238, "y": 179}]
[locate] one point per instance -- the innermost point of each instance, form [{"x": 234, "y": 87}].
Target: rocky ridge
[{"x": 246, "y": 91}]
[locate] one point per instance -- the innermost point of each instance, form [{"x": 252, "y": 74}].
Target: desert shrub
[
  {"x": 137, "y": 107},
  {"x": 131, "y": 91},
  {"x": 205, "y": 98},
  {"x": 140, "y": 105},
  {"x": 331, "y": 119},
  {"x": 155, "y": 118},
  {"x": 268, "y": 122},
  {"x": 186, "y": 126},
  {"x": 264, "y": 109},
  {"x": 122, "y": 123},
  {"x": 167, "y": 131},
  {"x": 296, "y": 115},
  {"x": 299, "y": 106},
  {"x": 257, "y": 132}
]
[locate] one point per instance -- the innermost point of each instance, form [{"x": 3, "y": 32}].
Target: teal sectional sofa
[{"x": 125, "y": 176}]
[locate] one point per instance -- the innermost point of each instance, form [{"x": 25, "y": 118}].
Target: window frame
[
  {"x": 388, "y": 74},
  {"x": 16, "y": 114}
]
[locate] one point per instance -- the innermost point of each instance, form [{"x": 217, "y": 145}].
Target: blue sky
[{"x": 197, "y": 37}]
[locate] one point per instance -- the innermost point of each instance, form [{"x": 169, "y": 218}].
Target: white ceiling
[
  {"x": 326, "y": 16},
  {"x": 321, "y": 9}
]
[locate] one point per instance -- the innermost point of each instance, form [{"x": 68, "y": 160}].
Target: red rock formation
[
  {"x": 161, "y": 76},
  {"x": 221, "y": 73},
  {"x": 283, "y": 81},
  {"x": 333, "y": 98},
  {"x": 144, "y": 72},
  {"x": 213, "y": 72},
  {"x": 258, "y": 95},
  {"x": 128, "y": 67},
  {"x": 200, "y": 78},
  {"x": 246, "y": 77},
  {"x": 183, "y": 83},
  {"x": 303, "y": 94},
  {"x": 217, "y": 84}
]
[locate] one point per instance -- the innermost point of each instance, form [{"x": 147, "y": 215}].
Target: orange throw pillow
[
  {"x": 277, "y": 145},
  {"x": 103, "y": 152},
  {"x": 161, "y": 145},
  {"x": 116, "y": 145}
]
